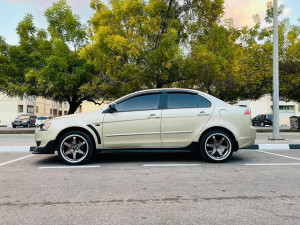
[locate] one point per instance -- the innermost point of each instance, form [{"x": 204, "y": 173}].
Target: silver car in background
[{"x": 42, "y": 119}]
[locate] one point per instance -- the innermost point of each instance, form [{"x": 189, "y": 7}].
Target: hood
[{"x": 78, "y": 115}]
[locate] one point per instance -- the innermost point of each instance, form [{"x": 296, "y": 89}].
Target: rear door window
[
  {"x": 177, "y": 100},
  {"x": 181, "y": 100},
  {"x": 203, "y": 102}
]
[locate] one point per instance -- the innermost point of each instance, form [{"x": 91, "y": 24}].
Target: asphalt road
[{"x": 254, "y": 187}]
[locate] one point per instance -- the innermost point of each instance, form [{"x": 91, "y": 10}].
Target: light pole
[{"x": 276, "y": 132}]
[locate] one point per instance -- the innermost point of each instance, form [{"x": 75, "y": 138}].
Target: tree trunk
[
  {"x": 73, "y": 106},
  {"x": 159, "y": 85}
]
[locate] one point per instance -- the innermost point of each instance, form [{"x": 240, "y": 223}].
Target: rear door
[{"x": 184, "y": 115}]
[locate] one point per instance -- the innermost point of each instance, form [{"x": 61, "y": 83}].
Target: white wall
[{"x": 8, "y": 109}]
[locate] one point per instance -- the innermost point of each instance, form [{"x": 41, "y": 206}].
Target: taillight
[{"x": 248, "y": 111}]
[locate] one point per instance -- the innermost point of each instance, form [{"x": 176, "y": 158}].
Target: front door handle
[
  {"x": 202, "y": 113},
  {"x": 153, "y": 116}
]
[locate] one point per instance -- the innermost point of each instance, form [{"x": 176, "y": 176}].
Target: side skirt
[{"x": 193, "y": 147}]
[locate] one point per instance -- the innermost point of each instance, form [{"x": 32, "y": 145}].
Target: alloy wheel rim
[
  {"x": 74, "y": 148},
  {"x": 218, "y": 147}
]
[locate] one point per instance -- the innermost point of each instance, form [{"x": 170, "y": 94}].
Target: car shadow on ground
[{"x": 140, "y": 157}]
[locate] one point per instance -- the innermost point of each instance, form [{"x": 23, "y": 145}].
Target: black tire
[
  {"x": 14, "y": 126},
  {"x": 211, "y": 144},
  {"x": 65, "y": 146},
  {"x": 262, "y": 124}
]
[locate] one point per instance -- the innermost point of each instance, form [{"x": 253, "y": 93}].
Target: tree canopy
[{"x": 128, "y": 45}]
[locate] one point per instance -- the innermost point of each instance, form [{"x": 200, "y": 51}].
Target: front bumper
[
  {"x": 19, "y": 123},
  {"x": 45, "y": 141},
  {"x": 47, "y": 149}
]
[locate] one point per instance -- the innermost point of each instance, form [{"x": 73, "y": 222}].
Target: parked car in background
[
  {"x": 262, "y": 120},
  {"x": 166, "y": 119},
  {"x": 25, "y": 120},
  {"x": 42, "y": 119}
]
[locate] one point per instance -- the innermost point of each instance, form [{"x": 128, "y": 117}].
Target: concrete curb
[
  {"x": 281, "y": 131},
  {"x": 259, "y": 146},
  {"x": 273, "y": 146},
  {"x": 16, "y": 148},
  {"x": 17, "y": 131}
]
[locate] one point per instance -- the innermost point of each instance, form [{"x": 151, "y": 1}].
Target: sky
[{"x": 12, "y": 12}]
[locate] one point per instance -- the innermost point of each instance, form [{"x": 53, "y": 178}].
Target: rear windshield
[
  {"x": 23, "y": 117},
  {"x": 42, "y": 118}
]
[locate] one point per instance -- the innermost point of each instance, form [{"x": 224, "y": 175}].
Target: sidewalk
[{"x": 22, "y": 142}]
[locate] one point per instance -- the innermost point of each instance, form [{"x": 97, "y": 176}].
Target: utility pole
[{"x": 276, "y": 132}]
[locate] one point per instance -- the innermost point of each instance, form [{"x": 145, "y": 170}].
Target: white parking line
[
  {"x": 15, "y": 160},
  {"x": 66, "y": 167},
  {"x": 272, "y": 164},
  {"x": 289, "y": 157},
  {"x": 170, "y": 164}
]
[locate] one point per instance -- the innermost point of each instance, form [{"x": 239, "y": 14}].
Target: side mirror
[{"x": 112, "y": 108}]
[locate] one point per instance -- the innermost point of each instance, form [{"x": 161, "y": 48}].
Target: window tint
[
  {"x": 203, "y": 102},
  {"x": 142, "y": 102},
  {"x": 42, "y": 118},
  {"x": 182, "y": 100}
]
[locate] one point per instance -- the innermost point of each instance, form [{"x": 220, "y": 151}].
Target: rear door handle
[
  {"x": 153, "y": 116},
  {"x": 202, "y": 113}
]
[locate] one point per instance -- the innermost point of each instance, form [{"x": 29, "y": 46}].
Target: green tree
[
  {"x": 289, "y": 64},
  {"x": 66, "y": 76},
  {"x": 50, "y": 65},
  {"x": 134, "y": 43}
]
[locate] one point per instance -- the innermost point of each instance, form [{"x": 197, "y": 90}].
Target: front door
[{"x": 135, "y": 124}]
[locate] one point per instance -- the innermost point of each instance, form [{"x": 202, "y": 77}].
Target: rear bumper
[
  {"x": 247, "y": 140},
  {"x": 47, "y": 149}
]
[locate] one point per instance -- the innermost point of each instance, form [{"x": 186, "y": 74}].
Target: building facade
[
  {"x": 264, "y": 105},
  {"x": 11, "y": 107}
]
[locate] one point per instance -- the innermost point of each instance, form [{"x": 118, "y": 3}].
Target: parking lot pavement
[{"x": 254, "y": 187}]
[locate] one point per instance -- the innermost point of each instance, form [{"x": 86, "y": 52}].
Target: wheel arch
[
  {"x": 75, "y": 128},
  {"x": 222, "y": 129}
]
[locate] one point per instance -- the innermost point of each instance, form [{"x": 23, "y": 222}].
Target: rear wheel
[
  {"x": 75, "y": 148},
  {"x": 216, "y": 146},
  {"x": 262, "y": 124}
]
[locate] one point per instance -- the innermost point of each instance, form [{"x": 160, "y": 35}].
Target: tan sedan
[{"x": 151, "y": 119}]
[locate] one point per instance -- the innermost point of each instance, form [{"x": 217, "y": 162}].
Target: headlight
[{"x": 44, "y": 127}]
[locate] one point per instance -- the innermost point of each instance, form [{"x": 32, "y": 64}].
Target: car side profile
[
  {"x": 262, "y": 120},
  {"x": 151, "y": 119},
  {"x": 25, "y": 120}
]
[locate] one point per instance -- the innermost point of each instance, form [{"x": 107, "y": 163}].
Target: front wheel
[
  {"x": 75, "y": 148},
  {"x": 216, "y": 146},
  {"x": 262, "y": 124}
]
